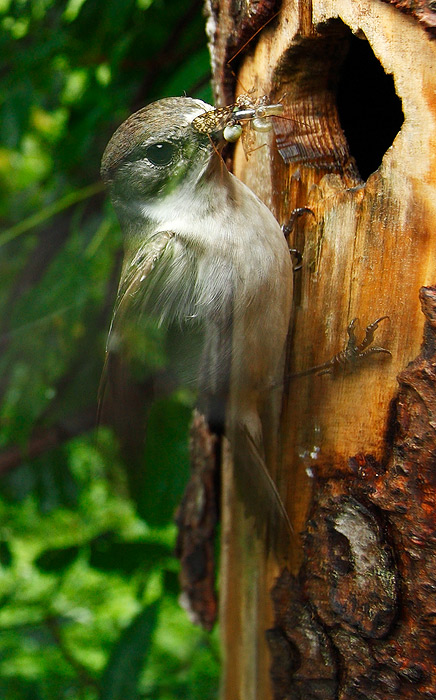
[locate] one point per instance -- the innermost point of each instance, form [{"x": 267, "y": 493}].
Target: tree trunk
[{"x": 351, "y": 613}]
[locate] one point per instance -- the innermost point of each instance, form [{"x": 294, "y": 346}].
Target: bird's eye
[{"x": 160, "y": 153}]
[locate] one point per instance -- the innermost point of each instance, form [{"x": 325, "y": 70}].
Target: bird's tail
[{"x": 257, "y": 489}]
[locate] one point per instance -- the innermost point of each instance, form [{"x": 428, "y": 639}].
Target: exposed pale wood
[
  {"x": 368, "y": 250},
  {"x": 244, "y": 601}
]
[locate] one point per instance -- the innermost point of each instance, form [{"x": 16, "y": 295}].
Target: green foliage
[
  {"x": 88, "y": 581},
  {"x": 121, "y": 677},
  {"x": 166, "y": 426},
  {"x": 81, "y": 588}
]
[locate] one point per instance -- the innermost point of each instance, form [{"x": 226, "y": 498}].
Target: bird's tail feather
[{"x": 258, "y": 491}]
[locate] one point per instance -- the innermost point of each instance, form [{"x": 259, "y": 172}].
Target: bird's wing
[
  {"x": 136, "y": 273},
  {"x": 124, "y": 399},
  {"x": 158, "y": 302}
]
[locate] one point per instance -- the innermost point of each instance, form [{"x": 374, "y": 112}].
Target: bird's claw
[
  {"x": 295, "y": 214},
  {"x": 288, "y": 228},
  {"x": 353, "y": 351},
  {"x": 298, "y": 255}
]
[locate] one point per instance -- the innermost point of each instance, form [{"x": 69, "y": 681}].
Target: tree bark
[{"x": 351, "y": 612}]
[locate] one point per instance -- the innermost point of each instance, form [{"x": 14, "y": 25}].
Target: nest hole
[
  {"x": 370, "y": 111},
  {"x": 343, "y": 111}
]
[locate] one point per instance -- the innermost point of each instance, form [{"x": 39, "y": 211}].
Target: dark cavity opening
[
  {"x": 369, "y": 109},
  {"x": 342, "y": 110}
]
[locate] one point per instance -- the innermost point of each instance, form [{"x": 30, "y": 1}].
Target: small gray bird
[{"x": 204, "y": 256}]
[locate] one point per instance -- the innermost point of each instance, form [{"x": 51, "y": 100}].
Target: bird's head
[{"x": 156, "y": 149}]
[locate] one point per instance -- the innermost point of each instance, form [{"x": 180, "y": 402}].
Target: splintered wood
[{"x": 355, "y": 471}]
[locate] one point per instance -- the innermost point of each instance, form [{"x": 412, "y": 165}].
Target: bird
[{"x": 207, "y": 261}]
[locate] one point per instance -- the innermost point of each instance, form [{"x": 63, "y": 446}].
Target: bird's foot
[
  {"x": 289, "y": 227},
  {"x": 352, "y": 354}
]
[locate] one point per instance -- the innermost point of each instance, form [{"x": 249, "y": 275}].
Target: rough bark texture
[
  {"x": 231, "y": 25},
  {"x": 367, "y": 589},
  {"x": 196, "y": 520},
  {"x": 351, "y": 612}
]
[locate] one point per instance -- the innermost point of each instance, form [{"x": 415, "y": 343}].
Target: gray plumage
[{"x": 202, "y": 252}]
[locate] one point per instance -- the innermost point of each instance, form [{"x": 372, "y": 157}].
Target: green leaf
[
  {"x": 127, "y": 557},
  {"x": 167, "y": 460},
  {"x": 121, "y": 676},
  {"x": 5, "y": 554},
  {"x": 57, "y": 559}
]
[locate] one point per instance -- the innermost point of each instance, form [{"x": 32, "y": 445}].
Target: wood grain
[{"x": 367, "y": 251}]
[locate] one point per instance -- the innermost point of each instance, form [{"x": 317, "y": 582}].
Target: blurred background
[{"x": 88, "y": 581}]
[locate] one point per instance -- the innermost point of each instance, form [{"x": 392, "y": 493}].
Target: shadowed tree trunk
[{"x": 350, "y": 613}]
